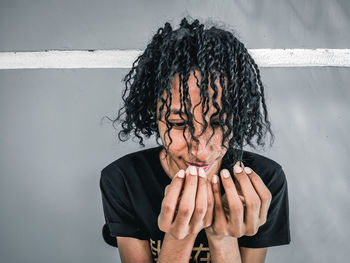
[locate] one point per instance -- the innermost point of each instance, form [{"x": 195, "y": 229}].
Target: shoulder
[
  {"x": 131, "y": 164},
  {"x": 134, "y": 158},
  {"x": 260, "y": 162}
]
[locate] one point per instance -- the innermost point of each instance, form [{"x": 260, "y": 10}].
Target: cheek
[
  {"x": 217, "y": 149},
  {"x": 220, "y": 136},
  {"x": 217, "y": 141},
  {"x": 178, "y": 141},
  {"x": 216, "y": 144}
]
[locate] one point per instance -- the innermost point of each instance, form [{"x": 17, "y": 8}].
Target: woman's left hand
[{"x": 243, "y": 208}]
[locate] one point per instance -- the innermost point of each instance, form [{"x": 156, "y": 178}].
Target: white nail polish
[
  {"x": 215, "y": 178},
  {"x": 226, "y": 174},
  {"x": 201, "y": 173},
  {"x": 247, "y": 170},
  {"x": 181, "y": 173},
  {"x": 193, "y": 170},
  {"x": 238, "y": 169}
]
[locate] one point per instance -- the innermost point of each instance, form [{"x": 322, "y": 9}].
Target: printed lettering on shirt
[{"x": 199, "y": 254}]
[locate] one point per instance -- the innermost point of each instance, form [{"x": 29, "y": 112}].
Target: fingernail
[
  {"x": 238, "y": 169},
  {"x": 181, "y": 173},
  {"x": 201, "y": 173},
  {"x": 215, "y": 179},
  {"x": 226, "y": 174},
  {"x": 247, "y": 170},
  {"x": 193, "y": 170}
]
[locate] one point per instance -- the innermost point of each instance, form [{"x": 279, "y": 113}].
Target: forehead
[{"x": 193, "y": 89}]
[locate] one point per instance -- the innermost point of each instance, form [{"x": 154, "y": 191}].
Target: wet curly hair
[{"x": 214, "y": 52}]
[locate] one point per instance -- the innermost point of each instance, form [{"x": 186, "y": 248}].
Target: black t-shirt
[{"x": 132, "y": 189}]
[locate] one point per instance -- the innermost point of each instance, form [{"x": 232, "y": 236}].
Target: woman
[{"x": 198, "y": 196}]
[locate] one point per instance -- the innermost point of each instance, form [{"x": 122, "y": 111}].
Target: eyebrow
[{"x": 178, "y": 112}]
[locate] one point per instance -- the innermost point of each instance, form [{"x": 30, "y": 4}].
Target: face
[{"x": 206, "y": 153}]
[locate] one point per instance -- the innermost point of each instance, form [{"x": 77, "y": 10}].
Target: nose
[{"x": 201, "y": 149}]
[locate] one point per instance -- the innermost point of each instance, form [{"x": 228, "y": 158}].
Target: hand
[
  {"x": 186, "y": 213},
  {"x": 225, "y": 203},
  {"x": 244, "y": 215}
]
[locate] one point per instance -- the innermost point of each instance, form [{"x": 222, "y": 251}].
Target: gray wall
[{"x": 53, "y": 144}]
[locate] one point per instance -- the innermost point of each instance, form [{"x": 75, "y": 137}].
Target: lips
[{"x": 205, "y": 167}]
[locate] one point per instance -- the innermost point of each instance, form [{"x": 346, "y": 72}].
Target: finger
[
  {"x": 252, "y": 200},
  {"x": 225, "y": 206},
  {"x": 208, "y": 218},
  {"x": 187, "y": 203},
  {"x": 166, "y": 189},
  {"x": 238, "y": 187},
  {"x": 234, "y": 203},
  {"x": 170, "y": 200},
  {"x": 242, "y": 199},
  {"x": 263, "y": 192},
  {"x": 200, "y": 202},
  {"x": 224, "y": 200},
  {"x": 219, "y": 213}
]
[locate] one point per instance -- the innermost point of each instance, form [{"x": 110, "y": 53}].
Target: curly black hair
[{"x": 213, "y": 52}]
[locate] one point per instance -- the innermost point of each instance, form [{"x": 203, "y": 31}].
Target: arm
[
  {"x": 254, "y": 255},
  {"x": 175, "y": 250},
  {"x": 133, "y": 250},
  {"x": 221, "y": 251},
  {"x": 224, "y": 249}
]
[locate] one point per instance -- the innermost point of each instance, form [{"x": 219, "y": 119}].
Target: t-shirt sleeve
[
  {"x": 276, "y": 230},
  {"x": 118, "y": 211}
]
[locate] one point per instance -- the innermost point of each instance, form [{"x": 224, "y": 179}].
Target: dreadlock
[{"x": 215, "y": 53}]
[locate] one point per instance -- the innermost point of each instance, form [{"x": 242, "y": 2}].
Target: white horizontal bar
[
  {"x": 317, "y": 57},
  {"x": 125, "y": 58}
]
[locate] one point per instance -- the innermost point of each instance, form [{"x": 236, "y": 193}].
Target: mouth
[{"x": 205, "y": 167}]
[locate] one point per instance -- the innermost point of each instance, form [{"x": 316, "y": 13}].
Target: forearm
[
  {"x": 174, "y": 250},
  {"x": 224, "y": 250}
]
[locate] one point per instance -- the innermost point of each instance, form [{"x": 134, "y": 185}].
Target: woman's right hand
[{"x": 188, "y": 203}]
